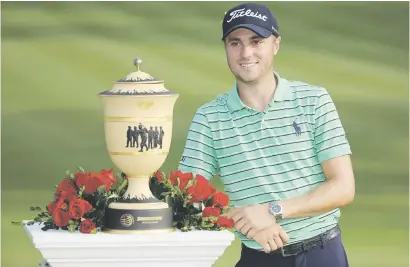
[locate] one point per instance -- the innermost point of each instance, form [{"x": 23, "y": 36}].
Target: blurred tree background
[{"x": 57, "y": 56}]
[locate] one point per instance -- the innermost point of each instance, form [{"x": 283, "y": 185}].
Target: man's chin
[{"x": 247, "y": 79}]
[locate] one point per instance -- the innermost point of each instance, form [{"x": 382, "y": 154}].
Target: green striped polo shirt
[{"x": 272, "y": 155}]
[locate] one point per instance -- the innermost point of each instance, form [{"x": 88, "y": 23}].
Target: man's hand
[
  {"x": 251, "y": 219},
  {"x": 271, "y": 238}
]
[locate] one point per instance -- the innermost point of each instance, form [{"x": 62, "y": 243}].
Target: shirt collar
[{"x": 283, "y": 92}]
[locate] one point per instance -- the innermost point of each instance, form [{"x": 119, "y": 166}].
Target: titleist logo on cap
[{"x": 248, "y": 13}]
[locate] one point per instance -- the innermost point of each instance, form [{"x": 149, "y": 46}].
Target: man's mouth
[{"x": 248, "y": 65}]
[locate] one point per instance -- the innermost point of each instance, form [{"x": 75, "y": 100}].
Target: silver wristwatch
[{"x": 276, "y": 210}]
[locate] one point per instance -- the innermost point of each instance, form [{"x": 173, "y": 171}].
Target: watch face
[{"x": 276, "y": 208}]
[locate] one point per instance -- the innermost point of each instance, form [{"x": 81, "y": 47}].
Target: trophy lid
[{"x": 138, "y": 83}]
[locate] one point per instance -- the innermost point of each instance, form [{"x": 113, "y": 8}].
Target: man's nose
[{"x": 246, "y": 51}]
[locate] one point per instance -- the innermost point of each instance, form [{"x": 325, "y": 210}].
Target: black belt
[{"x": 310, "y": 243}]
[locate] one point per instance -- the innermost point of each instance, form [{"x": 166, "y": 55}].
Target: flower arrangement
[
  {"x": 80, "y": 200},
  {"x": 195, "y": 202}
]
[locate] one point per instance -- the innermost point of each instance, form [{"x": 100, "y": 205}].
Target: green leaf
[
  {"x": 72, "y": 228},
  {"x": 44, "y": 214},
  {"x": 209, "y": 202},
  {"x": 190, "y": 183},
  {"x": 122, "y": 186},
  {"x": 167, "y": 198},
  {"x": 72, "y": 225},
  {"x": 101, "y": 189},
  {"x": 45, "y": 219},
  {"x": 165, "y": 193},
  {"x": 113, "y": 195},
  {"x": 80, "y": 168}
]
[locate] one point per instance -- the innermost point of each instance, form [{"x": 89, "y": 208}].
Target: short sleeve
[
  {"x": 330, "y": 136},
  {"x": 198, "y": 156}
]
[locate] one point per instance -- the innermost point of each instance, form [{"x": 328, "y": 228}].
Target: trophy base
[{"x": 134, "y": 216}]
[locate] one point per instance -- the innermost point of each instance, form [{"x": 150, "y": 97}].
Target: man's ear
[{"x": 276, "y": 45}]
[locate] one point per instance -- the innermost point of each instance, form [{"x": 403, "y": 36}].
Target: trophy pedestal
[
  {"x": 174, "y": 249},
  {"x": 139, "y": 213}
]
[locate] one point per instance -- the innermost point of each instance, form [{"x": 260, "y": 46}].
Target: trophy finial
[{"x": 137, "y": 63}]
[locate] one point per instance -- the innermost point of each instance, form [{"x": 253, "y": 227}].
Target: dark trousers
[{"x": 332, "y": 254}]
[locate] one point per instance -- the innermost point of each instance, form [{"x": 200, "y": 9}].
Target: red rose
[
  {"x": 62, "y": 203},
  {"x": 61, "y": 217},
  {"x": 51, "y": 207},
  {"x": 104, "y": 177},
  {"x": 81, "y": 178},
  {"x": 107, "y": 177},
  {"x": 78, "y": 208},
  {"x": 184, "y": 179},
  {"x": 60, "y": 214},
  {"x": 220, "y": 199},
  {"x": 201, "y": 191},
  {"x": 91, "y": 181},
  {"x": 173, "y": 177},
  {"x": 87, "y": 226},
  {"x": 158, "y": 175},
  {"x": 67, "y": 185},
  {"x": 211, "y": 212},
  {"x": 61, "y": 198},
  {"x": 66, "y": 189},
  {"x": 225, "y": 222}
]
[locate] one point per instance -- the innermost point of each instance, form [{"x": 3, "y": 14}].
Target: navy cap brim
[{"x": 263, "y": 32}]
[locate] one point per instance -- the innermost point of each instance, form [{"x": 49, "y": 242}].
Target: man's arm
[
  {"x": 199, "y": 155},
  {"x": 336, "y": 192},
  {"x": 333, "y": 152}
]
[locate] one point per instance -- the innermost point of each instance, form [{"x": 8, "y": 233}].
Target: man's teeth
[{"x": 249, "y": 65}]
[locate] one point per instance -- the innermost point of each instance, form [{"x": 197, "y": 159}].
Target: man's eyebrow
[
  {"x": 254, "y": 37},
  {"x": 230, "y": 39}
]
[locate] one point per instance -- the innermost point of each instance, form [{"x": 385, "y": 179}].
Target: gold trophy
[{"x": 138, "y": 118}]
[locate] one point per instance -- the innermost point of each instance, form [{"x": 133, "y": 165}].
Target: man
[
  {"x": 151, "y": 137},
  {"x": 135, "y": 135},
  {"x": 280, "y": 150},
  {"x": 129, "y": 137},
  {"x": 144, "y": 132},
  {"x": 161, "y": 136}
]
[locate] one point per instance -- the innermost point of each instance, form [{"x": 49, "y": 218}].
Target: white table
[{"x": 176, "y": 249}]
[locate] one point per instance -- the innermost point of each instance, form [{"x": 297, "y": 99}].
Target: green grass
[{"x": 56, "y": 58}]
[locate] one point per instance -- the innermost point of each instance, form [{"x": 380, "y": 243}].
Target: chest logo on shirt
[{"x": 298, "y": 131}]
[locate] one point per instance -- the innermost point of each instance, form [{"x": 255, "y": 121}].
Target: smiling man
[{"x": 280, "y": 150}]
